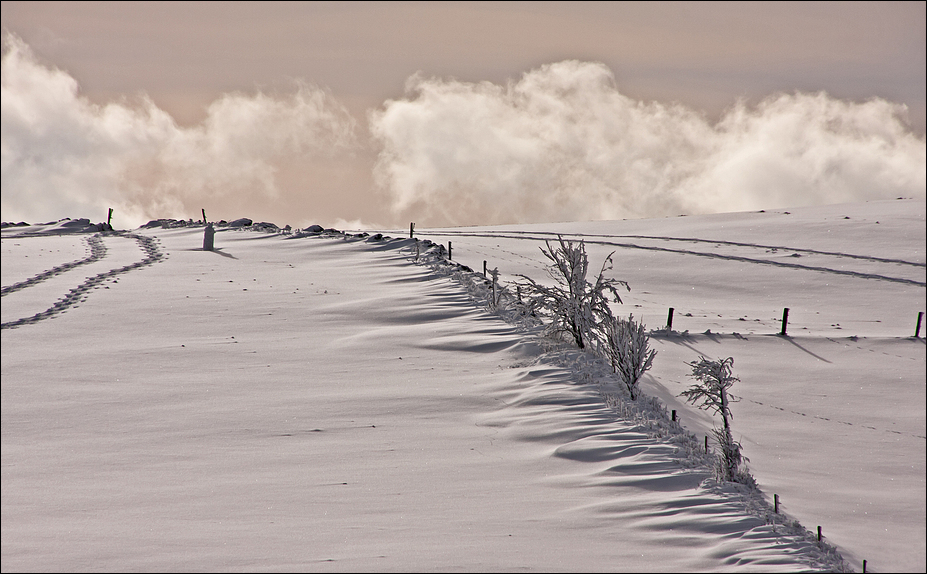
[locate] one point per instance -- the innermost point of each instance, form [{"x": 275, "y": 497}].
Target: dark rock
[{"x": 265, "y": 226}]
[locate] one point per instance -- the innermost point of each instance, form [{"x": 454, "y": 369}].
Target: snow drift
[{"x": 314, "y": 400}]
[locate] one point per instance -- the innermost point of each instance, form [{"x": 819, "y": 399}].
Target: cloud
[
  {"x": 63, "y": 154},
  {"x": 562, "y": 143}
]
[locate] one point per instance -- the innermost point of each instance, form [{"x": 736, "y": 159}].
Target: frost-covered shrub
[
  {"x": 714, "y": 378},
  {"x": 626, "y": 346},
  {"x": 574, "y": 306},
  {"x": 730, "y": 464}
]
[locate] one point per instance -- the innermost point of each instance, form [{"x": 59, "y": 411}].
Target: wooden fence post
[
  {"x": 785, "y": 321},
  {"x": 669, "y": 320},
  {"x": 917, "y": 330}
]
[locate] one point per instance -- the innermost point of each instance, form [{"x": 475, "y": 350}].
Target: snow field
[{"x": 323, "y": 404}]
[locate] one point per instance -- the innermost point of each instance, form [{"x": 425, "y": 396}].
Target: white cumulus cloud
[
  {"x": 562, "y": 143},
  {"x": 63, "y": 154}
]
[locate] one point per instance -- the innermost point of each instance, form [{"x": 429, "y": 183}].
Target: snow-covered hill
[{"x": 319, "y": 401}]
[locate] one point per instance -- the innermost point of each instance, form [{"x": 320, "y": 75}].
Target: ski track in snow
[
  {"x": 545, "y": 236},
  {"x": 78, "y": 294},
  {"x": 646, "y": 451},
  {"x": 835, "y": 420},
  {"x": 540, "y": 236},
  {"x": 553, "y": 235},
  {"x": 624, "y": 460}
]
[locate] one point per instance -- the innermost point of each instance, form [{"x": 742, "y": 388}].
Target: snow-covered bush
[
  {"x": 626, "y": 346},
  {"x": 710, "y": 393},
  {"x": 573, "y": 305}
]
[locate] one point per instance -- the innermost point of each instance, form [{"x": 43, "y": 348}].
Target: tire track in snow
[
  {"x": 545, "y": 236},
  {"x": 74, "y": 296}
]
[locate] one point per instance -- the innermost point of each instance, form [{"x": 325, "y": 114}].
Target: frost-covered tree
[
  {"x": 627, "y": 349},
  {"x": 714, "y": 378},
  {"x": 574, "y": 306}
]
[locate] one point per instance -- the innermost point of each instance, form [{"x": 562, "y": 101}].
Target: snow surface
[{"x": 319, "y": 401}]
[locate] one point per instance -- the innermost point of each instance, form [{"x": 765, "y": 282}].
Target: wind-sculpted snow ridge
[
  {"x": 147, "y": 244},
  {"x": 648, "y": 450}
]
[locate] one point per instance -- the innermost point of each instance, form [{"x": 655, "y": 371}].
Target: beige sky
[{"x": 706, "y": 56}]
